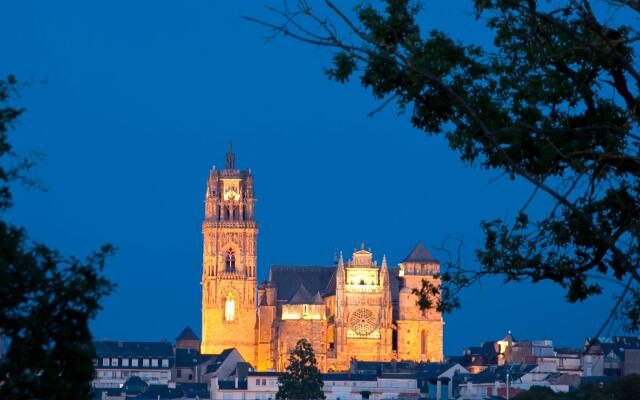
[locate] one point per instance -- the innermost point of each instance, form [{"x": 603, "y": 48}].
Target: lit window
[
  {"x": 165, "y": 363},
  {"x": 423, "y": 342},
  {"x": 145, "y": 362},
  {"x": 114, "y": 362},
  {"x": 134, "y": 362},
  {"x": 230, "y": 308},
  {"x": 125, "y": 362},
  {"x": 105, "y": 362},
  {"x": 154, "y": 362}
]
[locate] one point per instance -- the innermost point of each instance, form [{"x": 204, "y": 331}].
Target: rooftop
[{"x": 420, "y": 254}]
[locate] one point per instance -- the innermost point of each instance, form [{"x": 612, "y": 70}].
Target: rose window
[{"x": 362, "y": 321}]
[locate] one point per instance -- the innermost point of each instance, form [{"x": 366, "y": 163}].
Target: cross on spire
[{"x": 231, "y": 158}]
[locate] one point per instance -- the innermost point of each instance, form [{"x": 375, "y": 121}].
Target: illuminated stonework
[
  {"x": 229, "y": 262},
  {"x": 355, "y": 309},
  {"x": 363, "y": 322}
]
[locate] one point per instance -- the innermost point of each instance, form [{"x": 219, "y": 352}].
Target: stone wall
[{"x": 290, "y": 331}]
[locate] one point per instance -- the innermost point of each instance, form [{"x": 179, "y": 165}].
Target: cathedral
[{"x": 355, "y": 308}]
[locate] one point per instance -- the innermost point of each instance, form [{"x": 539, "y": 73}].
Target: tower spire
[{"x": 231, "y": 158}]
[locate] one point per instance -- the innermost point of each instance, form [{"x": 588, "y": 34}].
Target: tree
[
  {"x": 624, "y": 388},
  {"x": 302, "y": 378},
  {"x": 46, "y": 299},
  {"x": 537, "y": 393},
  {"x": 554, "y": 102}
]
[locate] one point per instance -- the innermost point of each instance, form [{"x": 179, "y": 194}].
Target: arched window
[
  {"x": 230, "y": 309},
  {"x": 423, "y": 342},
  {"x": 230, "y": 261}
]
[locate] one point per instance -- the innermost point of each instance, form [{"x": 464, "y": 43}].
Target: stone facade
[
  {"x": 354, "y": 309},
  {"x": 229, "y": 263}
]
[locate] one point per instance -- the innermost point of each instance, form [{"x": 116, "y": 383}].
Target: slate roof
[
  {"x": 433, "y": 370},
  {"x": 420, "y": 254},
  {"x": 190, "y": 358},
  {"x": 135, "y": 385},
  {"x": 219, "y": 359},
  {"x": 377, "y": 367},
  {"x": 264, "y": 373},
  {"x": 288, "y": 279},
  {"x": 187, "y": 334},
  {"x": 398, "y": 375},
  {"x": 181, "y": 391},
  {"x": 301, "y": 296},
  {"x": 423, "y": 369},
  {"x": 108, "y": 348},
  {"x": 499, "y": 373},
  {"x": 343, "y": 376},
  {"x": 317, "y": 299},
  {"x": 616, "y": 344},
  {"x": 317, "y": 279}
]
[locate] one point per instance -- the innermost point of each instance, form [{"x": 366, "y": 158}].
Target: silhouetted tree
[
  {"x": 537, "y": 393},
  {"x": 555, "y": 102},
  {"x": 624, "y": 388},
  {"x": 46, "y": 299},
  {"x": 302, "y": 379}
]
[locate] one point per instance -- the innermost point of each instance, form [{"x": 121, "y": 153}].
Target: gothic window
[
  {"x": 230, "y": 261},
  {"x": 229, "y": 309}
]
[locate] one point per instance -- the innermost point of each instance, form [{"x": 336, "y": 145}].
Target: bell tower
[
  {"x": 420, "y": 333},
  {"x": 229, "y": 262}
]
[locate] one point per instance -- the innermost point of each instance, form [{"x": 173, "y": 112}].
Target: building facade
[
  {"x": 118, "y": 361},
  {"x": 229, "y": 263},
  {"x": 357, "y": 308}
]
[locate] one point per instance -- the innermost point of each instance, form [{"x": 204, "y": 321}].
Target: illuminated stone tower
[
  {"x": 229, "y": 262},
  {"x": 419, "y": 333},
  {"x": 363, "y": 311}
]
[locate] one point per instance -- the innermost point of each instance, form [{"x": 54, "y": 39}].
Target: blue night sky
[{"x": 142, "y": 98}]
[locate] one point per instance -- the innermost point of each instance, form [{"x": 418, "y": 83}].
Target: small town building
[{"x": 117, "y": 361}]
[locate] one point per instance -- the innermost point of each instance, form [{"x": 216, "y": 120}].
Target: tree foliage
[
  {"x": 46, "y": 299},
  {"x": 624, "y": 388},
  {"x": 537, "y": 393},
  {"x": 555, "y": 102},
  {"x": 302, "y": 379}
]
